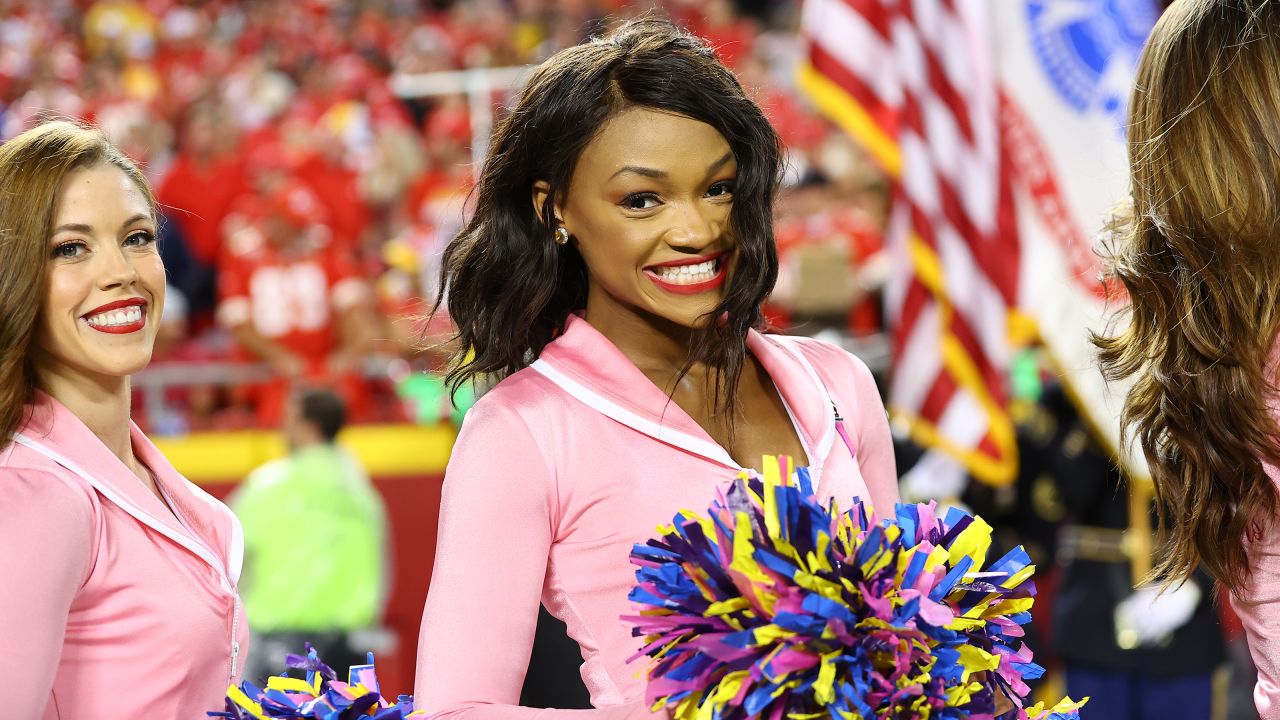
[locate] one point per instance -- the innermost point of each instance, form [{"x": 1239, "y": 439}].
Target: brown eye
[
  {"x": 640, "y": 201},
  {"x": 723, "y": 188}
]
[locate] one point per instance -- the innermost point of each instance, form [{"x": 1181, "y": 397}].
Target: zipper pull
[{"x": 836, "y": 410}]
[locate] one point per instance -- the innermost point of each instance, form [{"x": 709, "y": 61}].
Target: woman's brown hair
[
  {"x": 33, "y": 166},
  {"x": 1199, "y": 254}
]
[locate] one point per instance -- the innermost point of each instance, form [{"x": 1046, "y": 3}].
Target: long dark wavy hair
[
  {"x": 1198, "y": 253},
  {"x": 510, "y": 288}
]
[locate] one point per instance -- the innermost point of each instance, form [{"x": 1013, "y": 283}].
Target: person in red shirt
[
  {"x": 814, "y": 227},
  {"x": 719, "y": 24},
  {"x": 327, "y": 172},
  {"x": 207, "y": 175},
  {"x": 294, "y": 300}
]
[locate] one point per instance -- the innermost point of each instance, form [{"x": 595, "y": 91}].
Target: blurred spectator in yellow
[
  {"x": 423, "y": 340},
  {"x": 315, "y": 540}
]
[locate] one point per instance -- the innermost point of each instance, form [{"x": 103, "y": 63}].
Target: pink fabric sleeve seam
[{"x": 94, "y": 515}]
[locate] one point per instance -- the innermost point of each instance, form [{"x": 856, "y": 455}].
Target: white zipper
[
  {"x": 235, "y": 632},
  {"x": 823, "y": 451}
]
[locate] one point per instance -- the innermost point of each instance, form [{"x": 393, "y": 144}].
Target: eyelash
[
  {"x": 627, "y": 201},
  {"x": 147, "y": 236}
]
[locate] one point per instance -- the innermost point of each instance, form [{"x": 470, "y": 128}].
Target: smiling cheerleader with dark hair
[{"x": 611, "y": 279}]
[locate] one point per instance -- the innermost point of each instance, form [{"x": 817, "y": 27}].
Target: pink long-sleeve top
[
  {"x": 112, "y": 604},
  {"x": 564, "y": 466}
]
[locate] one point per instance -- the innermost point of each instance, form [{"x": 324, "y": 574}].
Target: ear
[{"x": 540, "y": 190}]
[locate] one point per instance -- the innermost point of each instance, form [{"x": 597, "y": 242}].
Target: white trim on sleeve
[
  {"x": 612, "y": 410},
  {"x": 196, "y": 547}
]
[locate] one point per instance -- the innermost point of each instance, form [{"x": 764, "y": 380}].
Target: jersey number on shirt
[{"x": 289, "y": 298}]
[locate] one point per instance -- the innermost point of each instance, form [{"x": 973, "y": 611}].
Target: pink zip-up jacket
[
  {"x": 110, "y": 606},
  {"x": 564, "y": 466}
]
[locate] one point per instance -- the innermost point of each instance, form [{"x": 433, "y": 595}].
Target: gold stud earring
[{"x": 562, "y": 236}]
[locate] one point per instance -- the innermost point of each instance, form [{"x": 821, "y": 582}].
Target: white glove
[
  {"x": 1149, "y": 616},
  {"x": 934, "y": 477}
]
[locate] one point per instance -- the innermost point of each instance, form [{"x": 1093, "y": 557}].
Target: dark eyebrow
[
  {"x": 637, "y": 170},
  {"x": 659, "y": 174},
  {"x": 720, "y": 163},
  {"x": 88, "y": 229}
]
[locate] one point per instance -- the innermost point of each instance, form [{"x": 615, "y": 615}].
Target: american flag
[{"x": 914, "y": 82}]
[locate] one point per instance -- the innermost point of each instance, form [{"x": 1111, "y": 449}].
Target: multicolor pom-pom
[
  {"x": 777, "y": 606},
  {"x": 321, "y": 696}
]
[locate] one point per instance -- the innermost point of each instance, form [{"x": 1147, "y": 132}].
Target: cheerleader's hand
[{"x": 1149, "y": 617}]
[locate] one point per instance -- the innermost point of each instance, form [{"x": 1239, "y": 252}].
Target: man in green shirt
[{"x": 315, "y": 539}]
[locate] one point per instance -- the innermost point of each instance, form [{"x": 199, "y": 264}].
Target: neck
[
  {"x": 101, "y": 403},
  {"x": 658, "y": 347},
  {"x": 304, "y": 442}
]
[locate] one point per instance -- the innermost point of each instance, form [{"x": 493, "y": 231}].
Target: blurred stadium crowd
[{"x": 307, "y": 194}]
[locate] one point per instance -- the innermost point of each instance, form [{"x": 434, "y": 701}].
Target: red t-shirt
[
  {"x": 338, "y": 189},
  {"x": 293, "y": 296},
  {"x": 202, "y": 196},
  {"x": 850, "y": 227}
]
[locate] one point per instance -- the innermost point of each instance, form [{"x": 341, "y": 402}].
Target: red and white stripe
[{"x": 922, "y": 72}]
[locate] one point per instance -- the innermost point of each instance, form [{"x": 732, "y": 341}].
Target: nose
[
  {"x": 117, "y": 268},
  {"x": 695, "y": 226}
]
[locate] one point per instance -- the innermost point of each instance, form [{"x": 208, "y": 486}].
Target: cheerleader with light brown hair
[
  {"x": 1200, "y": 258},
  {"x": 119, "y": 576}
]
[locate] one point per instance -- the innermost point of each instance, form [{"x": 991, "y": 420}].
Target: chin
[
  {"x": 696, "y": 319},
  {"x": 694, "y": 312},
  {"x": 119, "y": 366}
]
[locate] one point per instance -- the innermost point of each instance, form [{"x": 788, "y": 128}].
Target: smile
[
  {"x": 118, "y": 318},
  {"x": 689, "y": 278}
]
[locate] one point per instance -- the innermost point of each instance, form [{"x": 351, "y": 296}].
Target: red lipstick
[
  {"x": 119, "y": 305},
  {"x": 716, "y": 280}
]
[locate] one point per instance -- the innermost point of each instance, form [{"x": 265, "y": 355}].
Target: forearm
[
  {"x": 355, "y": 332},
  {"x": 247, "y": 337}
]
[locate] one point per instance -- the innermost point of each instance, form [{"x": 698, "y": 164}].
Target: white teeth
[
  {"x": 688, "y": 274},
  {"x": 115, "y": 318}
]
